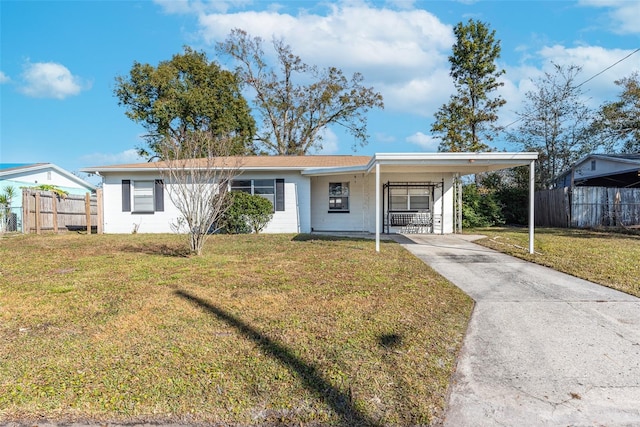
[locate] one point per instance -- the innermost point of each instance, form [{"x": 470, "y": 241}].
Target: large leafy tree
[
  {"x": 466, "y": 121},
  {"x": 184, "y": 95},
  {"x": 296, "y": 101},
  {"x": 618, "y": 123},
  {"x": 554, "y": 121}
]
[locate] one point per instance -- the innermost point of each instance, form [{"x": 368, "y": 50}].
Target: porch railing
[{"x": 413, "y": 222}]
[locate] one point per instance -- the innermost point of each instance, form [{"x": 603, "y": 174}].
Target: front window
[
  {"x": 261, "y": 187},
  {"x": 143, "y": 200},
  {"x": 338, "y": 197},
  {"x": 409, "y": 199}
]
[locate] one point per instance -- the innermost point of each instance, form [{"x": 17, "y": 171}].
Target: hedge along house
[{"x": 383, "y": 193}]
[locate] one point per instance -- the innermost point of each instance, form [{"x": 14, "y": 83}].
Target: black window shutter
[
  {"x": 126, "y": 195},
  {"x": 279, "y": 194},
  {"x": 159, "y": 195}
]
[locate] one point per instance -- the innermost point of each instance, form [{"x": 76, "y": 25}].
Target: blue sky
[{"x": 59, "y": 60}]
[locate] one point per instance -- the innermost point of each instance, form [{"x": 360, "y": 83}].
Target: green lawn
[
  {"x": 261, "y": 329},
  {"x": 609, "y": 258}
]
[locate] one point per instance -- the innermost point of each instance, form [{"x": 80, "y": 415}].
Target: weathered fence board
[
  {"x": 552, "y": 208},
  {"x": 588, "y": 207},
  {"x": 605, "y": 207},
  {"x": 44, "y": 211}
]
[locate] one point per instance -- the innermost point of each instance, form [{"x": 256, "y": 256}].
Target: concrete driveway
[{"x": 543, "y": 348}]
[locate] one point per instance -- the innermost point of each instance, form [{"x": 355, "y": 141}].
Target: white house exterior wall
[
  {"x": 116, "y": 221},
  {"x": 360, "y": 197},
  {"x": 362, "y": 209},
  {"x": 295, "y": 217},
  {"x": 447, "y": 203}
]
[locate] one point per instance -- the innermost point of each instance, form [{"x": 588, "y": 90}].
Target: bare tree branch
[{"x": 198, "y": 186}]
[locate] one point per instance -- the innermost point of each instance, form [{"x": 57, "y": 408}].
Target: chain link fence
[{"x": 10, "y": 219}]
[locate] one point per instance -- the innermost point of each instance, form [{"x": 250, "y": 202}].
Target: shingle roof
[{"x": 255, "y": 162}]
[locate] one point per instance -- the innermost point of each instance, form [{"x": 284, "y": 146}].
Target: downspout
[
  {"x": 459, "y": 194},
  {"x": 365, "y": 204},
  {"x": 378, "y": 210},
  {"x": 455, "y": 205},
  {"x": 442, "y": 207},
  {"x": 531, "y": 205}
]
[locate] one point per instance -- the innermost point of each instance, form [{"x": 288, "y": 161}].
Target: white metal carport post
[
  {"x": 532, "y": 181},
  {"x": 378, "y": 212}
]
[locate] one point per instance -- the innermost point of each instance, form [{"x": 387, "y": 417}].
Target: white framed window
[
  {"x": 144, "y": 196},
  {"x": 270, "y": 189},
  {"x": 410, "y": 199},
  {"x": 261, "y": 187},
  {"x": 338, "y": 197}
]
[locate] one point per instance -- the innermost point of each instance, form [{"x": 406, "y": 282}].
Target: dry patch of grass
[
  {"x": 261, "y": 329},
  {"x": 608, "y": 258}
]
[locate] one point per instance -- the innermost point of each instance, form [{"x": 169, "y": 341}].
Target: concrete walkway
[{"x": 543, "y": 348}]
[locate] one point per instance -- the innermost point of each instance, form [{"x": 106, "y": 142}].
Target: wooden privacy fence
[
  {"x": 588, "y": 207},
  {"x": 45, "y": 211},
  {"x": 552, "y": 208}
]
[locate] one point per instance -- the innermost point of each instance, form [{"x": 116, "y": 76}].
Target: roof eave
[
  {"x": 39, "y": 166},
  {"x": 334, "y": 170},
  {"x": 472, "y": 160}
]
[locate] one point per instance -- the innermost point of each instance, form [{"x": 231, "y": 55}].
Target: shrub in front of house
[{"x": 247, "y": 213}]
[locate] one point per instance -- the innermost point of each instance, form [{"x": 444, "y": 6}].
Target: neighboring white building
[
  {"x": 19, "y": 176},
  {"x": 382, "y": 193},
  {"x": 603, "y": 170},
  {"x": 32, "y": 174}
]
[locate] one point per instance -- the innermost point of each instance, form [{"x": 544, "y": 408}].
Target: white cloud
[
  {"x": 426, "y": 142},
  {"x": 329, "y": 143},
  {"x": 183, "y": 7},
  {"x": 4, "y": 78},
  {"x": 401, "y": 4},
  {"x": 402, "y": 54},
  {"x": 383, "y": 137},
  {"x": 624, "y": 15},
  {"x": 177, "y": 6},
  {"x": 49, "y": 80},
  {"x": 99, "y": 159},
  {"x": 594, "y": 60},
  {"x": 421, "y": 95}
]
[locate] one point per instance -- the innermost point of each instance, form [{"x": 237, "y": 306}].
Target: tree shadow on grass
[
  {"x": 312, "y": 379},
  {"x": 177, "y": 251},
  {"x": 578, "y": 233},
  {"x": 338, "y": 236}
]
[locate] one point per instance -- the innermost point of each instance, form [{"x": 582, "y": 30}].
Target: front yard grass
[
  {"x": 608, "y": 258},
  {"x": 260, "y": 330}
]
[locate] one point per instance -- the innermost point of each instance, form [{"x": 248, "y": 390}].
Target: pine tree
[{"x": 465, "y": 122}]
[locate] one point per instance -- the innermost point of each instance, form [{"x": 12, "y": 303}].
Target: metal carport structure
[{"x": 457, "y": 163}]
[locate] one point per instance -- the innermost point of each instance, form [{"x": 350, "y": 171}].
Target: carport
[{"x": 460, "y": 164}]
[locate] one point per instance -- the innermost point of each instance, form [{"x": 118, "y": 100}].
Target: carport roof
[{"x": 460, "y": 163}]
